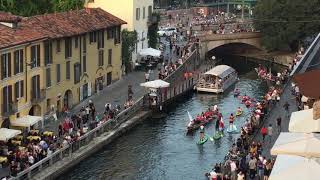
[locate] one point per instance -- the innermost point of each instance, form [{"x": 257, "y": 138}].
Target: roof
[
  {"x": 309, "y": 83},
  {"x": 72, "y": 23},
  {"x": 220, "y": 71},
  {"x": 9, "y": 18},
  {"x": 57, "y": 25}
]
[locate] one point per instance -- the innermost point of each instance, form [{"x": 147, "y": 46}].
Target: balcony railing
[
  {"x": 38, "y": 97},
  {"x": 9, "y": 109}
]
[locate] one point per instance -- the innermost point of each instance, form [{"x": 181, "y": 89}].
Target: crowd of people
[{"x": 246, "y": 160}]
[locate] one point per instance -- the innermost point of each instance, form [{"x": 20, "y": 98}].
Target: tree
[
  {"x": 285, "y": 23},
  {"x": 153, "y": 30},
  {"x": 129, "y": 39}
]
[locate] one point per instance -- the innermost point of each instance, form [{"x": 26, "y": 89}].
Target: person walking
[
  {"x": 270, "y": 132},
  {"x": 279, "y": 124},
  {"x": 264, "y": 132},
  {"x": 147, "y": 76},
  {"x": 252, "y": 167},
  {"x": 286, "y": 108}
]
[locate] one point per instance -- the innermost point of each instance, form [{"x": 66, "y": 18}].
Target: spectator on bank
[
  {"x": 270, "y": 132},
  {"x": 264, "y": 132}
]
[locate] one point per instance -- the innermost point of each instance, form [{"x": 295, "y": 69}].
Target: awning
[
  {"x": 221, "y": 71},
  {"x": 308, "y": 84},
  {"x": 156, "y": 84},
  {"x": 150, "y": 52},
  {"x": 302, "y": 121},
  {"x": 295, "y": 168},
  {"x": 299, "y": 144},
  {"x": 26, "y": 121},
  {"x": 6, "y": 134}
]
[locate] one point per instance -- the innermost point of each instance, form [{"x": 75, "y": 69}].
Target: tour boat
[{"x": 217, "y": 80}]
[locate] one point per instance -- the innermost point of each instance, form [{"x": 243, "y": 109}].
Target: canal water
[{"x": 160, "y": 149}]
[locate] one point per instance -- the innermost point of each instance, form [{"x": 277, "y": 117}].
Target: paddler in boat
[
  {"x": 221, "y": 125},
  {"x": 248, "y": 103},
  {"x": 215, "y": 109},
  {"x": 201, "y": 133},
  {"x": 217, "y": 124},
  {"x": 239, "y": 110},
  {"x": 245, "y": 98},
  {"x": 231, "y": 120}
]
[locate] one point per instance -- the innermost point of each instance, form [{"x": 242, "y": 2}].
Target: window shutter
[
  {"x": 38, "y": 55},
  {"x": 9, "y": 64},
  {"x": 10, "y": 93},
  {"x": 16, "y": 90},
  {"x": 22, "y": 89},
  {"x": 15, "y": 62},
  {"x": 21, "y": 61}
]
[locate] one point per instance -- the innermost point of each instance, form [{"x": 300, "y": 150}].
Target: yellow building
[
  {"x": 135, "y": 12},
  {"x": 76, "y": 54}
]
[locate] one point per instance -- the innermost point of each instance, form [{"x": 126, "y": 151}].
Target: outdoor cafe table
[
  {"x": 3, "y": 159},
  {"x": 30, "y": 138}
]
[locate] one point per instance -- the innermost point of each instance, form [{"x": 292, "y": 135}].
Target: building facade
[
  {"x": 57, "y": 60},
  {"x": 135, "y": 12}
]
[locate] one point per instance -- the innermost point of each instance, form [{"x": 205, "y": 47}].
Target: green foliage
[
  {"x": 283, "y": 23},
  {"x": 129, "y": 39},
  {"x": 34, "y": 7},
  {"x": 153, "y": 30}
]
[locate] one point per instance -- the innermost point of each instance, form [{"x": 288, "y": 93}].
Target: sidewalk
[
  {"x": 277, "y": 111},
  {"x": 116, "y": 94}
]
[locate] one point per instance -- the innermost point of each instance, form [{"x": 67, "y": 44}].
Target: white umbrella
[
  {"x": 6, "y": 134},
  {"x": 302, "y": 121},
  {"x": 150, "y": 52},
  {"x": 156, "y": 84},
  {"x": 289, "y": 167},
  {"x": 300, "y": 144}
]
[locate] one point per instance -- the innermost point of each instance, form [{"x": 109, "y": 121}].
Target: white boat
[{"x": 217, "y": 80}]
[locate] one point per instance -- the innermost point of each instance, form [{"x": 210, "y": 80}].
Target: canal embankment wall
[{"x": 63, "y": 159}]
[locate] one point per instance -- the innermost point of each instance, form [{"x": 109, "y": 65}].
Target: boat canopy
[{"x": 221, "y": 71}]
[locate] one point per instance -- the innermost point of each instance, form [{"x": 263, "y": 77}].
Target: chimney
[{"x": 316, "y": 110}]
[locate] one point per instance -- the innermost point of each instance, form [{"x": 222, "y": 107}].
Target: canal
[{"x": 159, "y": 148}]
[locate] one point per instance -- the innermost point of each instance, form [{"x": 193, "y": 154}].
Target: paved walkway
[
  {"x": 278, "y": 111},
  {"x": 116, "y": 94}
]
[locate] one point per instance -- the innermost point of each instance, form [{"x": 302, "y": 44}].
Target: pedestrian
[
  {"x": 252, "y": 167},
  {"x": 286, "y": 108},
  {"x": 270, "y": 132},
  {"x": 279, "y": 124},
  {"x": 264, "y": 132},
  {"x": 147, "y": 75}
]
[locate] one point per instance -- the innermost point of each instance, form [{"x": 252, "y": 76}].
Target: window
[
  {"x": 19, "y": 89},
  {"x": 47, "y": 52},
  {"x": 68, "y": 47},
  {"x": 100, "y": 59},
  {"x": 84, "y": 63},
  {"x": 144, "y": 13},
  {"x": 137, "y": 14},
  {"x": 68, "y": 70},
  {"x": 5, "y": 65},
  {"x": 35, "y": 91},
  {"x": 117, "y": 39},
  {"x": 100, "y": 39},
  {"x": 18, "y": 61},
  {"x": 84, "y": 44},
  {"x": 58, "y": 71},
  {"x": 110, "y": 33},
  {"x": 35, "y": 56},
  {"x": 48, "y": 77},
  {"x": 7, "y": 98},
  {"x": 76, "y": 42},
  {"x": 92, "y": 37},
  {"x": 149, "y": 11},
  {"x": 77, "y": 71},
  {"x": 58, "y": 46},
  {"x": 110, "y": 57}
]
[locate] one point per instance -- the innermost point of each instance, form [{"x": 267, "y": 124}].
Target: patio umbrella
[
  {"x": 156, "y": 84},
  {"x": 295, "y": 168},
  {"x": 300, "y": 144},
  {"x": 303, "y": 122},
  {"x": 150, "y": 52}
]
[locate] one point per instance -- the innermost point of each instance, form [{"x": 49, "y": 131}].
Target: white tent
[
  {"x": 302, "y": 121},
  {"x": 300, "y": 144},
  {"x": 6, "y": 134},
  {"x": 26, "y": 121},
  {"x": 150, "y": 52},
  {"x": 295, "y": 168},
  {"x": 156, "y": 84}
]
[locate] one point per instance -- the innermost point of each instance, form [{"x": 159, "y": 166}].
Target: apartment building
[
  {"x": 135, "y": 12},
  {"x": 56, "y": 60}
]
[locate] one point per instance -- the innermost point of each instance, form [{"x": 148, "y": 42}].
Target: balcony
[
  {"x": 37, "y": 97},
  {"x": 9, "y": 109}
]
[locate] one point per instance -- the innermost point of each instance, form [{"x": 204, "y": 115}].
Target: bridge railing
[{"x": 230, "y": 36}]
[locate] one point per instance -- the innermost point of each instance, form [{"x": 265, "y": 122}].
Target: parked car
[{"x": 167, "y": 31}]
